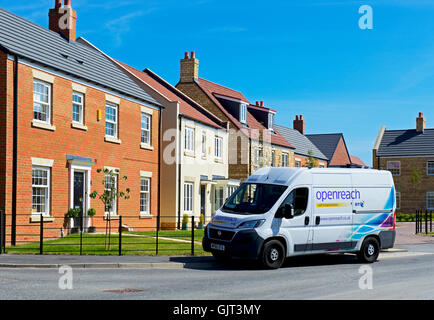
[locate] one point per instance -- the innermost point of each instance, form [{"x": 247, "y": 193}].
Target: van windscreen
[{"x": 252, "y": 198}]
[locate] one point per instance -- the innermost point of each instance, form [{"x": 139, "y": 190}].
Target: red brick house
[{"x": 67, "y": 111}]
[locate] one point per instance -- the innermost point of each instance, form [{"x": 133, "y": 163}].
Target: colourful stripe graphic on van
[{"x": 374, "y": 222}]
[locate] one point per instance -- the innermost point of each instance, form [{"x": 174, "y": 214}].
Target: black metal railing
[
  {"x": 105, "y": 235},
  {"x": 423, "y": 222}
]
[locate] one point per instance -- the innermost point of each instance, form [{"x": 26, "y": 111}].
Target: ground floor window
[
  {"x": 231, "y": 190},
  {"x": 430, "y": 200},
  {"x": 188, "y": 197},
  {"x": 41, "y": 191},
  {"x": 145, "y": 186},
  {"x": 218, "y": 197},
  {"x": 284, "y": 159},
  {"x": 398, "y": 200}
]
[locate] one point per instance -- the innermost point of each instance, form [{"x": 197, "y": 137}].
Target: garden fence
[
  {"x": 120, "y": 235},
  {"x": 423, "y": 222}
]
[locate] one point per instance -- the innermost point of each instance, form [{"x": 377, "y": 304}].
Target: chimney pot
[
  {"x": 186, "y": 56},
  {"x": 193, "y": 55},
  {"x": 299, "y": 124},
  {"x": 68, "y": 3},
  {"x": 420, "y": 123},
  {"x": 262, "y": 103},
  {"x": 57, "y": 4}
]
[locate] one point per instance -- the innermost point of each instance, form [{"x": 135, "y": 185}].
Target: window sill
[
  {"x": 218, "y": 160},
  {"x": 37, "y": 218},
  {"x": 146, "y": 146},
  {"x": 189, "y": 154},
  {"x": 79, "y": 126},
  {"x": 112, "y": 140},
  {"x": 43, "y": 125},
  {"x": 145, "y": 216},
  {"x": 112, "y": 217}
]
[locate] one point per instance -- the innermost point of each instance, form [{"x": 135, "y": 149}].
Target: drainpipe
[
  {"x": 160, "y": 136},
  {"x": 14, "y": 155},
  {"x": 179, "y": 171}
]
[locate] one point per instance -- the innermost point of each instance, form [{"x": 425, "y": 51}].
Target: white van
[{"x": 282, "y": 212}]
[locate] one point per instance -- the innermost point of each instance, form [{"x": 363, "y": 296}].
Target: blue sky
[{"x": 301, "y": 57}]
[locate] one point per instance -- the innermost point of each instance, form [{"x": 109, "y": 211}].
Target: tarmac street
[{"x": 396, "y": 275}]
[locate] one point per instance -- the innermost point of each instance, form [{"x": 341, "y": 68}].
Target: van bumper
[
  {"x": 245, "y": 244},
  {"x": 387, "y": 239}
]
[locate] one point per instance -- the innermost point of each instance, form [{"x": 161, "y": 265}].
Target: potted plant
[
  {"x": 91, "y": 213},
  {"x": 72, "y": 215},
  {"x": 201, "y": 221},
  {"x": 185, "y": 222}
]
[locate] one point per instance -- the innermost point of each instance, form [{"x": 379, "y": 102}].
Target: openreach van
[{"x": 282, "y": 212}]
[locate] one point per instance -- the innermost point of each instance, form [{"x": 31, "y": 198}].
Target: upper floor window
[
  {"x": 111, "y": 119},
  {"x": 204, "y": 144},
  {"x": 146, "y": 129},
  {"x": 243, "y": 113},
  {"x": 284, "y": 159},
  {"x": 77, "y": 107},
  {"x": 41, "y": 101},
  {"x": 430, "y": 168},
  {"x": 218, "y": 150},
  {"x": 270, "y": 121},
  {"x": 189, "y": 139},
  {"x": 394, "y": 167}
]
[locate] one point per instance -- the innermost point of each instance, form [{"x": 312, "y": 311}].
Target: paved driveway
[{"x": 405, "y": 234}]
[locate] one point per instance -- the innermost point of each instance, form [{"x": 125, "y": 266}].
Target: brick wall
[
  {"x": 341, "y": 156},
  {"x": 33, "y": 142},
  {"x": 412, "y": 198}
]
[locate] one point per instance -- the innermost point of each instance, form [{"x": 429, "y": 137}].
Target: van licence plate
[{"x": 216, "y": 246}]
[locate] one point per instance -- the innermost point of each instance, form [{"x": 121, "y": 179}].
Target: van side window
[{"x": 298, "y": 198}]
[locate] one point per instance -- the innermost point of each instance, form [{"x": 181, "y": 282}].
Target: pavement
[{"x": 405, "y": 236}]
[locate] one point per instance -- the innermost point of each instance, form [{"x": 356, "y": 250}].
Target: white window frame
[
  {"x": 390, "y": 169},
  {"x": 284, "y": 159},
  {"x": 430, "y": 168},
  {"x": 80, "y": 107},
  {"x": 243, "y": 113},
  {"x": 297, "y": 161},
  {"x": 189, "y": 139},
  {"x": 270, "y": 121},
  {"x": 398, "y": 200},
  {"x": 47, "y": 187},
  {"x": 147, "y": 196},
  {"x": 188, "y": 197},
  {"x": 258, "y": 158},
  {"x": 115, "y": 204},
  {"x": 42, "y": 103},
  {"x": 145, "y": 129},
  {"x": 204, "y": 153},
  {"x": 430, "y": 200},
  {"x": 115, "y": 122},
  {"x": 218, "y": 147},
  {"x": 218, "y": 197}
]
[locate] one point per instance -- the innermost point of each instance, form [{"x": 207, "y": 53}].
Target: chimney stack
[
  {"x": 299, "y": 124},
  {"x": 189, "y": 68},
  {"x": 63, "y": 20},
  {"x": 420, "y": 123}
]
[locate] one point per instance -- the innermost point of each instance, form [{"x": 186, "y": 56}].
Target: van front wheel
[
  {"x": 273, "y": 255},
  {"x": 369, "y": 251}
]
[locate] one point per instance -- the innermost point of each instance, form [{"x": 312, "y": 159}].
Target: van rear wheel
[
  {"x": 273, "y": 255},
  {"x": 369, "y": 251}
]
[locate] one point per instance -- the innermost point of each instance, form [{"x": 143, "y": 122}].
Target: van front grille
[{"x": 220, "y": 234}]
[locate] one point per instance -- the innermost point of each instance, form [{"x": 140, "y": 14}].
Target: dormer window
[
  {"x": 270, "y": 121},
  {"x": 243, "y": 113}
]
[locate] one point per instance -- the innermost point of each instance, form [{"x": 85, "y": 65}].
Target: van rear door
[{"x": 332, "y": 199}]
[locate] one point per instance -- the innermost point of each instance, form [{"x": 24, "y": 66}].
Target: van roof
[{"x": 287, "y": 176}]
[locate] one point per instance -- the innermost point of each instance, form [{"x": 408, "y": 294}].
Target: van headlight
[{"x": 252, "y": 224}]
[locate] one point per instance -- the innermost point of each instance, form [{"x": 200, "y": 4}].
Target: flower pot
[{"x": 185, "y": 226}]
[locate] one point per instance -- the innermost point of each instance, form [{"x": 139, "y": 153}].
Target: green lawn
[
  {"x": 174, "y": 234},
  {"x": 132, "y": 244}
]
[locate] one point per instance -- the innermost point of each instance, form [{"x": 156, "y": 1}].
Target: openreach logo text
[{"x": 337, "y": 195}]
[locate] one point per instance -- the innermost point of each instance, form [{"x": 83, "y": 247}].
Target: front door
[
  {"x": 202, "y": 199},
  {"x": 79, "y": 192}
]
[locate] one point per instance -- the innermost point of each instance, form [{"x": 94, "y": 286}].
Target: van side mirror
[{"x": 287, "y": 212}]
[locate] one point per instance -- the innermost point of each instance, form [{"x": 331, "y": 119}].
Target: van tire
[
  {"x": 273, "y": 255},
  {"x": 369, "y": 251}
]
